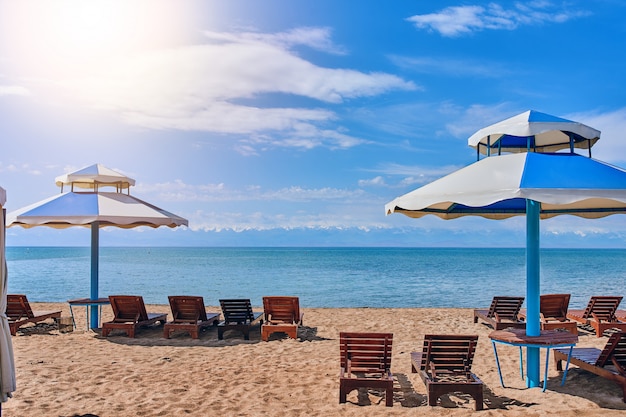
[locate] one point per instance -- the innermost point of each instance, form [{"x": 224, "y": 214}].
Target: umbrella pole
[
  {"x": 532, "y": 290},
  {"x": 95, "y": 245}
]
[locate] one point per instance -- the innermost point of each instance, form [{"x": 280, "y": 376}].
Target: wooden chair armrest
[
  {"x": 433, "y": 370},
  {"x": 617, "y": 365}
]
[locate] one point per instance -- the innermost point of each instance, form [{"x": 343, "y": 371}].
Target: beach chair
[
  {"x": 445, "y": 364},
  {"x": 20, "y": 313},
  {"x": 129, "y": 314},
  {"x": 553, "y": 313},
  {"x": 282, "y": 315},
  {"x": 609, "y": 363},
  {"x": 600, "y": 313},
  {"x": 365, "y": 360},
  {"x": 238, "y": 316},
  {"x": 189, "y": 315},
  {"x": 502, "y": 313}
]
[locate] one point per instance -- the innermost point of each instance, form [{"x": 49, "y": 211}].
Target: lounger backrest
[
  {"x": 282, "y": 308},
  {"x": 614, "y": 352},
  {"x": 505, "y": 307},
  {"x": 448, "y": 354},
  {"x": 237, "y": 310},
  {"x": 603, "y": 307},
  {"x": 18, "y": 307},
  {"x": 554, "y": 305},
  {"x": 366, "y": 352},
  {"x": 187, "y": 308},
  {"x": 128, "y": 308}
]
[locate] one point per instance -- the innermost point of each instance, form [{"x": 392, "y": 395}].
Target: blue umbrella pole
[
  {"x": 95, "y": 245},
  {"x": 532, "y": 290}
]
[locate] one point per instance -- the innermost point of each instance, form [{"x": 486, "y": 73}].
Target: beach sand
[{"x": 82, "y": 374}]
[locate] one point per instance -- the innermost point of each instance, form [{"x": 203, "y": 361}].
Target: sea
[{"x": 321, "y": 277}]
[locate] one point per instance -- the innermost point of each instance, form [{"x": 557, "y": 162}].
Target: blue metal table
[
  {"x": 548, "y": 339},
  {"x": 87, "y": 302}
]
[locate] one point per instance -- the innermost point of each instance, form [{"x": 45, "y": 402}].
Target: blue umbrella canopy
[
  {"x": 525, "y": 182},
  {"x": 498, "y": 187}
]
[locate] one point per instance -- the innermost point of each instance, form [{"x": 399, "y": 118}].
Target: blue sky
[{"x": 288, "y": 122}]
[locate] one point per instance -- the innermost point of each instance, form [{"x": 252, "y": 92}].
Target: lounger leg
[
  {"x": 342, "y": 395},
  {"x": 389, "y": 397},
  {"x": 432, "y": 399},
  {"x": 478, "y": 397}
]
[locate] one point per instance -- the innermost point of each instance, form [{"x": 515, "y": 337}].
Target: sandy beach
[{"x": 82, "y": 374}]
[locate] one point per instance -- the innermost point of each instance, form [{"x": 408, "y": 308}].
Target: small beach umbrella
[
  {"x": 85, "y": 204},
  {"x": 7, "y": 366},
  {"x": 531, "y": 184}
]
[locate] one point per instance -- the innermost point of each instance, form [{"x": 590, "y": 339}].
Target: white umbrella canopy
[
  {"x": 94, "y": 209},
  {"x": 84, "y": 208},
  {"x": 94, "y": 175},
  {"x": 533, "y": 131},
  {"x": 497, "y": 188},
  {"x": 7, "y": 365},
  {"x": 525, "y": 183}
]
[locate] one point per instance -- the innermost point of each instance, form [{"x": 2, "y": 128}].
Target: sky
[{"x": 292, "y": 122}]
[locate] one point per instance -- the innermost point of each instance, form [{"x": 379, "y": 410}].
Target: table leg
[
  {"x": 569, "y": 356},
  {"x": 521, "y": 362},
  {"x": 72, "y": 314},
  {"x": 545, "y": 374},
  {"x": 495, "y": 352}
]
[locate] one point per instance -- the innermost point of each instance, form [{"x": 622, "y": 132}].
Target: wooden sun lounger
[
  {"x": 365, "y": 360},
  {"x": 282, "y": 315},
  {"x": 129, "y": 313},
  {"x": 502, "y": 313},
  {"x": 601, "y": 313},
  {"x": 553, "y": 313},
  {"x": 20, "y": 313},
  {"x": 609, "y": 363},
  {"x": 189, "y": 315},
  {"x": 445, "y": 364},
  {"x": 238, "y": 316}
]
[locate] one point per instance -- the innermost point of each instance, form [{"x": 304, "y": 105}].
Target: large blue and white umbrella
[
  {"x": 87, "y": 205},
  {"x": 537, "y": 185}
]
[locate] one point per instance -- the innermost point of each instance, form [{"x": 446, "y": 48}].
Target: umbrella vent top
[
  {"x": 533, "y": 131},
  {"x": 94, "y": 177}
]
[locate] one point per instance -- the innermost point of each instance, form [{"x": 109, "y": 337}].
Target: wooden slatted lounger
[
  {"x": 365, "y": 360},
  {"x": 609, "y": 363},
  {"x": 445, "y": 364},
  {"x": 20, "y": 313},
  {"x": 503, "y": 313}
]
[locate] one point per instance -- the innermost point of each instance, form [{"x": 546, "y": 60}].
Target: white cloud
[
  {"x": 313, "y": 37},
  {"x": 181, "y": 192},
  {"x": 376, "y": 182},
  {"x": 232, "y": 83},
  {"x": 415, "y": 175},
  {"x": 460, "y": 20},
  {"x": 450, "y": 66},
  {"x": 13, "y": 90},
  {"x": 612, "y": 144}
]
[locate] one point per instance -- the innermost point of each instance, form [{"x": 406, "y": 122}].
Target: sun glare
[{"x": 67, "y": 38}]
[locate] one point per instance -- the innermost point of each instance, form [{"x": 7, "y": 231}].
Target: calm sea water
[{"x": 321, "y": 277}]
